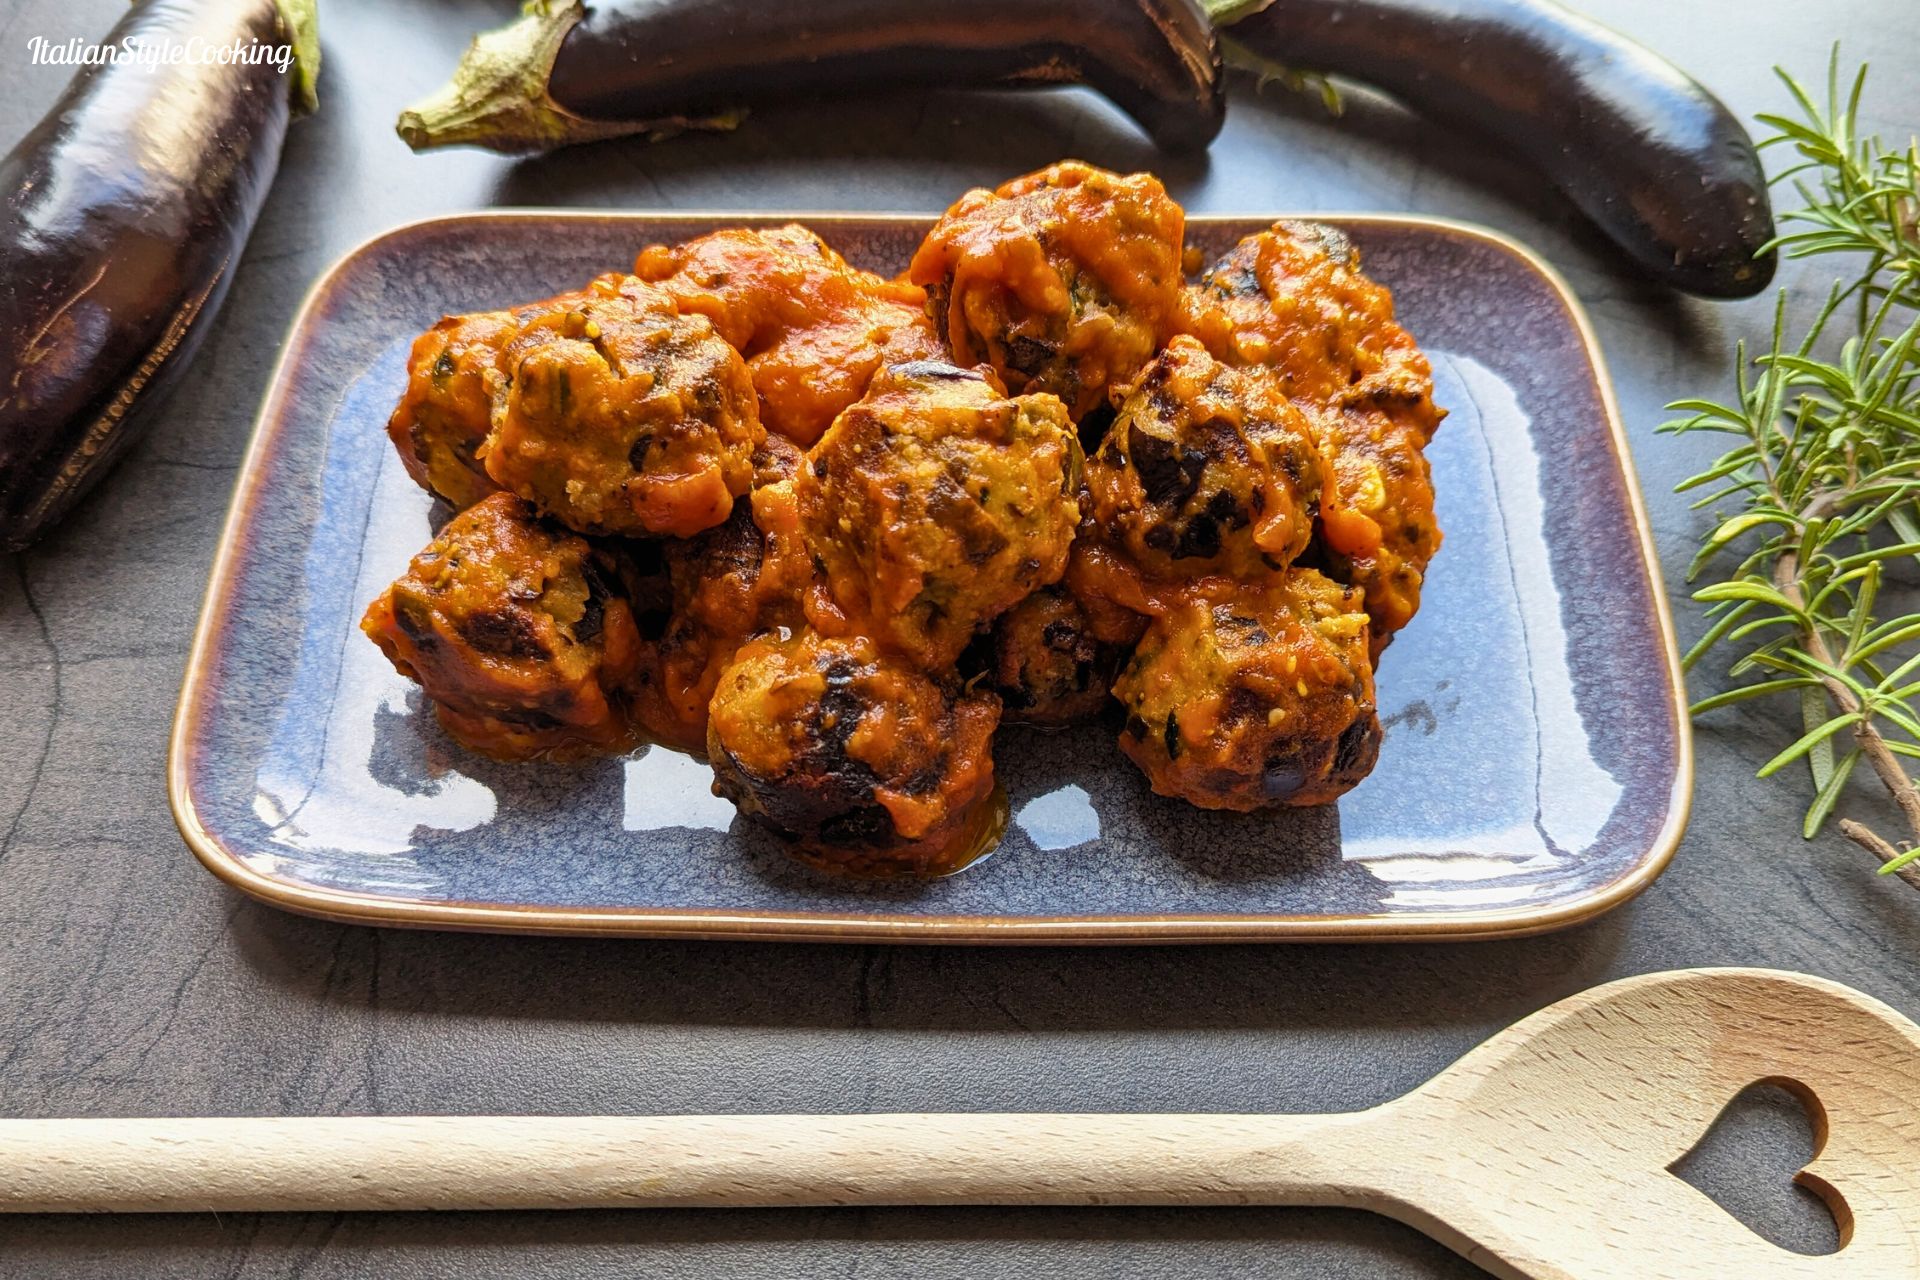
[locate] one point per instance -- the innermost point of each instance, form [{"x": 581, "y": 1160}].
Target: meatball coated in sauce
[
  {"x": 520, "y": 633},
  {"x": 1206, "y": 468},
  {"x": 866, "y": 764},
  {"x": 733, "y": 582},
  {"x": 1046, "y": 664},
  {"x": 623, "y": 416},
  {"x": 1292, "y": 300},
  {"x": 813, "y": 329},
  {"x": 1066, "y": 280},
  {"x": 445, "y": 412},
  {"x": 936, "y": 503},
  {"x": 1246, "y": 697}
]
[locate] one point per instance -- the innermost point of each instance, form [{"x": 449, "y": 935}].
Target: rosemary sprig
[{"x": 1825, "y": 478}]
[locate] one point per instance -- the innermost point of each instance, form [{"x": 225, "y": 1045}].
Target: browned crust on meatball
[
  {"x": 1206, "y": 469},
  {"x": 521, "y": 633},
  {"x": 866, "y": 764},
  {"x": 1047, "y": 665}
]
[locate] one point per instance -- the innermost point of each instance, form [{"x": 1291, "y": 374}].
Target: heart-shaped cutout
[{"x": 1748, "y": 1160}]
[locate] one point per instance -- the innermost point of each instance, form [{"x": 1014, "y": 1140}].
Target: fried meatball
[
  {"x": 731, "y": 583},
  {"x": 813, "y": 329},
  {"x": 866, "y": 764},
  {"x": 445, "y": 413},
  {"x": 1066, "y": 280},
  {"x": 936, "y": 503},
  {"x": 1207, "y": 468},
  {"x": 1293, "y": 300},
  {"x": 521, "y": 633},
  {"x": 623, "y": 416},
  {"x": 1046, "y": 664},
  {"x": 1246, "y": 697}
]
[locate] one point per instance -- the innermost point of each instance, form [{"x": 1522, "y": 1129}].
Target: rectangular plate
[{"x": 1537, "y": 767}]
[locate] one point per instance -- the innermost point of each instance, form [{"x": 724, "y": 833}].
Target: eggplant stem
[
  {"x": 498, "y": 96},
  {"x": 302, "y": 21}
]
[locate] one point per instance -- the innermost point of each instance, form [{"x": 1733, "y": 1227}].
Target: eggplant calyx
[
  {"x": 498, "y": 96},
  {"x": 1224, "y": 13},
  {"x": 302, "y": 21},
  {"x": 1234, "y": 54},
  {"x": 1272, "y": 71}
]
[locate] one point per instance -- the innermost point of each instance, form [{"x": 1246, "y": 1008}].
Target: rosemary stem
[
  {"x": 1862, "y": 835},
  {"x": 1786, "y": 576}
]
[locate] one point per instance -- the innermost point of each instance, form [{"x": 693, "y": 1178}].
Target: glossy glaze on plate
[{"x": 1536, "y": 768}]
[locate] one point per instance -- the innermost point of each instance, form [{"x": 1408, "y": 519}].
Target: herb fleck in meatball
[
  {"x": 1206, "y": 468},
  {"x": 1293, "y": 300},
  {"x": 936, "y": 503},
  {"x": 1066, "y": 280},
  {"x": 1245, "y": 697},
  {"x": 1046, "y": 664},
  {"x": 623, "y": 416},
  {"x": 444, "y": 414},
  {"x": 520, "y": 632},
  {"x": 866, "y": 764},
  {"x": 813, "y": 329},
  {"x": 732, "y": 582}
]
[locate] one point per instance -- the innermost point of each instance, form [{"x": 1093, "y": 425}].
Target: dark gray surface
[{"x": 131, "y": 983}]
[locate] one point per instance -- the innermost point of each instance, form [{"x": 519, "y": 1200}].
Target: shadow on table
[
  {"x": 1013, "y": 989},
  {"x": 954, "y": 1241},
  {"x": 1000, "y": 132}
]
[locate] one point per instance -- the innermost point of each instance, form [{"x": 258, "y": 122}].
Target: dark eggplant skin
[
  {"x": 659, "y": 65},
  {"x": 1155, "y": 59},
  {"x": 122, "y": 217},
  {"x": 1647, "y": 153}
]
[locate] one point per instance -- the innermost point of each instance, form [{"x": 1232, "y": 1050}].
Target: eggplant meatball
[
  {"x": 1293, "y": 300},
  {"x": 623, "y": 416},
  {"x": 936, "y": 503},
  {"x": 747, "y": 576},
  {"x": 1244, "y": 697},
  {"x": 1207, "y": 468},
  {"x": 866, "y": 764},
  {"x": 1046, "y": 664},
  {"x": 447, "y": 408},
  {"x": 520, "y": 633},
  {"x": 813, "y": 329},
  {"x": 1066, "y": 280}
]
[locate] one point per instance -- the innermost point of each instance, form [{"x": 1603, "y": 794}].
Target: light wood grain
[{"x": 1544, "y": 1153}]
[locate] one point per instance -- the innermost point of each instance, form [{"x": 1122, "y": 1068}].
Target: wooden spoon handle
[{"x": 539, "y": 1162}]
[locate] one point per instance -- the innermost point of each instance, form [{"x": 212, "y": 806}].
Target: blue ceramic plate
[{"x": 1536, "y": 768}]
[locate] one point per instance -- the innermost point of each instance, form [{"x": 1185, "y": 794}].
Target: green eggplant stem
[{"x": 498, "y": 96}]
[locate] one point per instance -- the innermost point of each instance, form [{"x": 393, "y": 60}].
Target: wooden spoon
[{"x": 1543, "y": 1153}]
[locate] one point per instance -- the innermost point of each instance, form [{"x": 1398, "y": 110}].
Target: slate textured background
[{"x": 131, "y": 983}]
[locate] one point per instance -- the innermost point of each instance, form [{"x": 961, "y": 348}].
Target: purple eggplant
[
  {"x": 1655, "y": 160},
  {"x": 124, "y": 214},
  {"x": 571, "y": 72}
]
